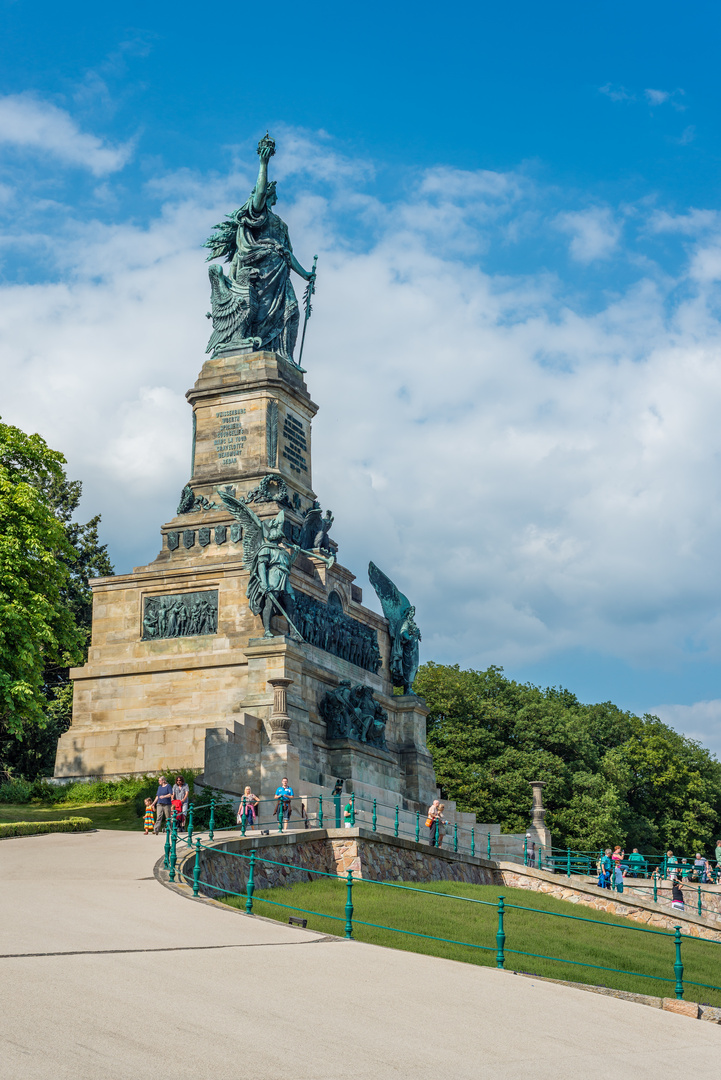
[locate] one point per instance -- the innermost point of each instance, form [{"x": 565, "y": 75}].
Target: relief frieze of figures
[
  {"x": 180, "y": 615},
  {"x": 328, "y": 627}
]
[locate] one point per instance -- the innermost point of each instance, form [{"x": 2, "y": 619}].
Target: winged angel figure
[
  {"x": 404, "y": 633},
  {"x": 268, "y": 556}
]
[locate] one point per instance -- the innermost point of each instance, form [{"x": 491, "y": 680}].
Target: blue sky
[{"x": 516, "y": 340}]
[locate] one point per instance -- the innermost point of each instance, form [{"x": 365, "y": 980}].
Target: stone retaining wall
[{"x": 639, "y": 910}]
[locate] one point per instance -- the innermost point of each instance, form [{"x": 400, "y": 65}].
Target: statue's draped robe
[{"x": 263, "y": 245}]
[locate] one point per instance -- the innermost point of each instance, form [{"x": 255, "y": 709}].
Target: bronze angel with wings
[
  {"x": 268, "y": 557},
  {"x": 402, "y": 627}
]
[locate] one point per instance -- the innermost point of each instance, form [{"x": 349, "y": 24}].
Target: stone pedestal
[
  {"x": 538, "y": 832},
  {"x": 178, "y": 674}
]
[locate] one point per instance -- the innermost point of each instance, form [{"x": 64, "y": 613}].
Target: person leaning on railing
[{"x": 636, "y": 864}]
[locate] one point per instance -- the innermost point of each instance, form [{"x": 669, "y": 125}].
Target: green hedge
[{"x": 30, "y": 828}]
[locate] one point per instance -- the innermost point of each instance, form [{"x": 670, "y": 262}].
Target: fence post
[
  {"x": 525, "y": 851},
  {"x": 190, "y": 824},
  {"x": 352, "y": 809},
  {"x": 166, "y": 860},
  {"x": 396, "y": 824},
  {"x": 473, "y": 841},
  {"x": 489, "y": 845},
  {"x": 320, "y": 811},
  {"x": 665, "y": 866},
  {"x": 501, "y": 935},
  {"x": 336, "y": 800},
  {"x": 280, "y": 815},
  {"x": 196, "y": 869},
  {"x": 349, "y": 906},
  {"x": 251, "y": 885},
  {"x": 375, "y": 814},
  {"x": 700, "y": 908},
  {"x": 242, "y": 817},
  {"x": 212, "y": 818},
  {"x": 418, "y": 825},
  {"x": 568, "y": 862},
  {"x": 540, "y": 856},
  {"x": 678, "y": 966},
  {"x": 173, "y": 846},
  {"x": 455, "y": 836},
  {"x": 655, "y": 886}
]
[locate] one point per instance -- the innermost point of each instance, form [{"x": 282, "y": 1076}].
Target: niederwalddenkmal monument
[{"x": 244, "y": 649}]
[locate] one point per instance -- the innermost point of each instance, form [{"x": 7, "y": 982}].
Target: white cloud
[
  {"x": 700, "y": 721},
  {"x": 616, "y": 93},
  {"x": 537, "y": 477},
  {"x": 657, "y": 97},
  {"x": 594, "y": 233},
  {"x": 29, "y": 124}
]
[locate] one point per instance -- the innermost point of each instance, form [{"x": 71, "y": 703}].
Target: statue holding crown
[{"x": 254, "y": 305}]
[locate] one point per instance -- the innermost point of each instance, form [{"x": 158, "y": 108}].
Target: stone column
[
  {"x": 279, "y": 719},
  {"x": 538, "y": 831}
]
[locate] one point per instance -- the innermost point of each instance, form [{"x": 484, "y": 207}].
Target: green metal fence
[{"x": 500, "y": 947}]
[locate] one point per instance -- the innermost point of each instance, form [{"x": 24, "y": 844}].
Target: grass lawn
[
  {"x": 609, "y": 945},
  {"x": 120, "y": 815}
]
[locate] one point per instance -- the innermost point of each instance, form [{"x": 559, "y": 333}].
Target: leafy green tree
[
  {"x": 45, "y": 600},
  {"x": 611, "y": 777}
]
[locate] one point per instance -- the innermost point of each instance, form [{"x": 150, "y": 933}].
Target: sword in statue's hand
[{"x": 309, "y": 290}]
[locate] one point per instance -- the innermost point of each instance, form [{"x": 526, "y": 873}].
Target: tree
[
  {"x": 45, "y": 600},
  {"x": 611, "y": 777}
]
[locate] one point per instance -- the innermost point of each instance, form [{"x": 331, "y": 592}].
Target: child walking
[{"x": 149, "y": 819}]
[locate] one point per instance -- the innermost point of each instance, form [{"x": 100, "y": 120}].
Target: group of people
[
  {"x": 614, "y": 865},
  {"x": 169, "y": 802}
]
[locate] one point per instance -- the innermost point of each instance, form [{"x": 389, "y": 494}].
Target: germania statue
[{"x": 254, "y": 305}]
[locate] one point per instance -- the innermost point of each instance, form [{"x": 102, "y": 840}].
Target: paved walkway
[{"x": 105, "y": 974}]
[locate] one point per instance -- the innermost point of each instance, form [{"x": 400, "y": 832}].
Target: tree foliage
[
  {"x": 611, "y": 777},
  {"x": 45, "y": 600}
]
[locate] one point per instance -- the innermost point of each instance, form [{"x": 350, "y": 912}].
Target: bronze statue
[{"x": 402, "y": 627}]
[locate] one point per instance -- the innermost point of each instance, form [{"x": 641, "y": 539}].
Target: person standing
[
  {"x": 671, "y": 864},
  {"x": 181, "y": 792},
  {"x": 717, "y": 853},
  {"x": 432, "y": 820},
  {"x": 440, "y": 824},
  {"x": 283, "y": 796},
  {"x": 149, "y": 819},
  {"x": 248, "y": 805},
  {"x": 161, "y": 804},
  {"x": 605, "y": 869}
]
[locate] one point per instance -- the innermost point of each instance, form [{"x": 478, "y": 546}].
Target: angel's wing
[
  {"x": 252, "y": 526},
  {"x": 310, "y": 528},
  {"x": 393, "y": 602}
]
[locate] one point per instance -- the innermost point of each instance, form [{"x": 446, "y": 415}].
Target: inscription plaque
[
  {"x": 230, "y": 438},
  {"x": 180, "y": 615}
]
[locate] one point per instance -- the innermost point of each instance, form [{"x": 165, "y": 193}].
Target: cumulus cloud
[
  {"x": 32, "y": 125},
  {"x": 594, "y": 233},
  {"x": 536, "y": 473}
]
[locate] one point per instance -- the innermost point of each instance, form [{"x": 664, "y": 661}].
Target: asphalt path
[{"x": 106, "y": 974}]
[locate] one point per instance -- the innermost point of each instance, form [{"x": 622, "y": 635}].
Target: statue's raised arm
[{"x": 254, "y": 305}]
